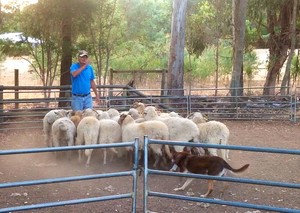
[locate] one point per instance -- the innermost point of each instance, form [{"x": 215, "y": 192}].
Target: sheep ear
[
  {"x": 190, "y": 116},
  {"x": 205, "y": 117},
  {"x": 121, "y": 119},
  {"x": 70, "y": 113}
]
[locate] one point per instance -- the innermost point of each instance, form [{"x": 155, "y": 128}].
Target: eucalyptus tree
[
  {"x": 274, "y": 17},
  {"x": 239, "y": 8},
  {"x": 176, "y": 56},
  {"x": 75, "y": 16},
  {"x": 287, "y": 75}
]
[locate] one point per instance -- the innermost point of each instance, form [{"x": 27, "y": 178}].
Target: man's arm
[
  {"x": 78, "y": 71},
  {"x": 94, "y": 87}
]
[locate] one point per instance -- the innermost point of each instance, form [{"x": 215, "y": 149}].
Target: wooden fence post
[
  {"x": 1, "y": 103},
  {"x": 16, "y": 90}
]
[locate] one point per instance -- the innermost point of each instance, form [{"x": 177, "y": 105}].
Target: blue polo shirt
[{"x": 81, "y": 84}]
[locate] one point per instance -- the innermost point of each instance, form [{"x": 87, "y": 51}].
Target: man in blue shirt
[{"x": 82, "y": 78}]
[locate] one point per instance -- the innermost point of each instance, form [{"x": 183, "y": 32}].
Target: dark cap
[{"x": 82, "y": 53}]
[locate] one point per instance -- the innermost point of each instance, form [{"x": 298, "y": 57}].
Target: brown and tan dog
[{"x": 207, "y": 165}]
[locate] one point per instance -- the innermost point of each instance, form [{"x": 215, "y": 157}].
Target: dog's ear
[
  {"x": 199, "y": 151},
  {"x": 188, "y": 149}
]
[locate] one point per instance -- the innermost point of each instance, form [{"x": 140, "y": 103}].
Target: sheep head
[
  {"x": 197, "y": 117},
  {"x": 124, "y": 119},
  {"x": 150, "y": 112},
  {"x": 139, "y": 106}
]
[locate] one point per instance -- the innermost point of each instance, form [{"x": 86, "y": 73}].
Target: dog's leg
[
  {"x": 210, "y": 188},
  {"x": 226, "y": 186},
  {"x": 187, "y": 182}
]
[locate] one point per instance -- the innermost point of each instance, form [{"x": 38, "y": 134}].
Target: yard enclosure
[{"x": 25, "y": 106}]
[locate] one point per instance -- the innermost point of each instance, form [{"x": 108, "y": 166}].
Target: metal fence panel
[{"x": 148, "y": 193}]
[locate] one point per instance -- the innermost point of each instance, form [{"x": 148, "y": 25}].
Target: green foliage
[
  {"x": 205, "y": 66},
  {"x": 295, "y": 68},
  {"x": 144, "y": 18},
  {"x": 250, "y": 64},
  {"x": 9, "y": 48},
  {"x": 207, "y": 22},
  {"x": 133, "y": 55}
]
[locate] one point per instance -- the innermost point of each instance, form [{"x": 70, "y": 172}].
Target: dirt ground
[{"x": 263, "y": 166}]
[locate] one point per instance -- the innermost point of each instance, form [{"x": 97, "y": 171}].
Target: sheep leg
[
  {"x": 80, "y": 156},
  {"x": 104, "y": 156},
  {"x": 167, "y": 151},
  {"x": 115, "y": 152},
  {"x": 88, "y": 153},
  {"x": 157, "y": 160}
]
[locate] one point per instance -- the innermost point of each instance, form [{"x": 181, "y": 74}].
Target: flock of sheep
[{"x": 67, "y": 128}]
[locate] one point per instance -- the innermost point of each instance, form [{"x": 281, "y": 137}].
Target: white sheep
[
  {"x": 63, "y": 133},
  {"x": 91, "y": 112},
  {"x": 153, "y": 129},
  {"x": 113, "y": 114},
  {"x": 48, "y": 120},
  {"x": 180, "y": 129},
  {"x": 134, "y": 113},
  {"x": 87, "y": 134},
  {"x": 212, "y": 132},
  {"x": 109, "y": 132}
]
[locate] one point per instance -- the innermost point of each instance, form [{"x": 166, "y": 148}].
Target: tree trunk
[
  {"x": 176, "y": 57},
  {"x": 287, "y": 75},
  {"x": 1, "y": 17},
  {"x": 217, "y": 67},
  {"x": 278, "y": 44},
  {"x": 239, "y": 22},
  {"x": 66, "y": 61}
]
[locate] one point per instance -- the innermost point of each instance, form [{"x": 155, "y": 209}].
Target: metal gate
[
  {"x": 132, "y": 173},
  {"x": 149, "y": 193},
  {"x": 147, "y": 172}
]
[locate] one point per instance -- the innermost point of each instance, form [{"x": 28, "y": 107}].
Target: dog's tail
[{"x": 243, "y": 168}]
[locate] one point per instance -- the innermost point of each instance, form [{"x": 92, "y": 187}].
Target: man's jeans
[{"x": 81, "y": 103}]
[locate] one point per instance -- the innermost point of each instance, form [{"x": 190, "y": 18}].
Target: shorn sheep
[
  {"x": 48, "y": 120},
  {"x": 113, "y": 114},
  {"x": 153, "y": 129},
  {"x": 180, "y": 129},
  {"x": 63, "y": 133},
  {"x": 87, "y": 134},
  {"x": 212, "y": 132},
  {"x": 109, "y": 132}
]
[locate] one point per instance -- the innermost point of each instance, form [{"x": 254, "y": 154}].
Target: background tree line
[{"x": 137, "y": 34}]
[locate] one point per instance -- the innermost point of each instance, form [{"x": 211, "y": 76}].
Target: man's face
[{"x": 83, "y": 59}]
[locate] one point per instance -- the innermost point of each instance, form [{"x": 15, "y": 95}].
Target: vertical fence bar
[
  {"x": 16, "y": 90},
  {"x": 135, "y": 168},
  {"x": 145, "y": 173},
  {"x": 1, "y": 102}
]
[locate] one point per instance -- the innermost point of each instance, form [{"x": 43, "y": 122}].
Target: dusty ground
[{"x": 263, "y": 166}]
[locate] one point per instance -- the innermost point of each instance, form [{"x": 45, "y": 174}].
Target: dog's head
[{"x": 178, "y": 160}]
